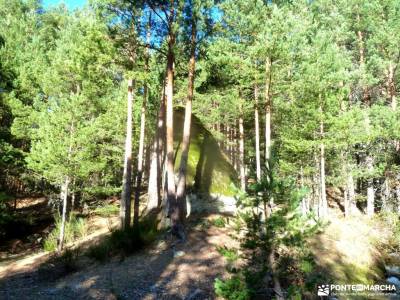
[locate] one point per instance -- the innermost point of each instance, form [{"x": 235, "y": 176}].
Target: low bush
[
  {"x": 233, "y": 288},
  {"x": 75, "y": 228},
  {"x": 230, "y": 255},
  {"x": 219, "y": 222},
  {"x": 125, "y": 242}
]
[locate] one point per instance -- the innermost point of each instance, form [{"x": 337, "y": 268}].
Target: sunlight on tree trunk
[
  {"x": 181, "y": 188},
  {"x": 257, "y": 133},
  {"x": 125, "y": 208},
  {"x": 64, "y": 198},
  {"x": 268, "y": 104},
  {"x": 241, "y": 150}
]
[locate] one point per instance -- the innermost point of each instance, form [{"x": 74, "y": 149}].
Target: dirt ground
[{"x": 165, "y": 270}]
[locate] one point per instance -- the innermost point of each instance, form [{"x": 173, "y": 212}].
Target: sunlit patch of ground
[{"x": 346, "y": 252}]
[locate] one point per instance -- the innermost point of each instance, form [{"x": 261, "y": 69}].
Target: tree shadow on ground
[{"x": 164, "y": 270}]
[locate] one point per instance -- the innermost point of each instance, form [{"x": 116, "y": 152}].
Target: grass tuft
[
  {"x": 106, "y": 210},
  {"x": 75, "y": 228},
  {"x": 219, "y": 222}
]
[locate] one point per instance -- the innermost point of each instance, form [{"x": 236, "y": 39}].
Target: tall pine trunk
[
  {"x": 181, "y": 188},
  {"x": 324, "y": 202},
  {"x": 125, "y": 208},
  {"x": 142, "y": 134},
  {"x": 169, "y": 91},
  {"x": 241, "y": 151},
  {"x": 235, "y": 147},
  {"x": 268, "y": 75},
  {"x": 157, "y": 158},
  {"x": 392, "y": 87},
  {"x": 369, "y": 161},
  {"x": 257, "y": 132},
  {"x": 351, "y": 194},
  {"x": 366, "y": 100},
  {"x": 64, "y": 198},
  {"x": 370, "y": 188}
]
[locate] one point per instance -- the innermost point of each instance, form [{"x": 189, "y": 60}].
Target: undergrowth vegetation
[
  {"x": 106, "y": 210},
  {"x": 124, "y": 242},
  {"x": 389, "y": 221},
  {"x": 282, "y": 233},
  {"x": 6, "y": 215},
  {"x": 75, "y": 228}
]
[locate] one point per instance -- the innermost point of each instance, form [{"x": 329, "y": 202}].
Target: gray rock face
[{"x": 211, "y": 204}]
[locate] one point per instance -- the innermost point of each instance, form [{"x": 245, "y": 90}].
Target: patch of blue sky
[{"x": 70, "y": 4}]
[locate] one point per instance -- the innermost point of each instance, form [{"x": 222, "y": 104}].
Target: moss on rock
[{"x": 209, "y": 170}]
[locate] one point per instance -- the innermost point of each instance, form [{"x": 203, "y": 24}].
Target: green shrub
[
  {"x": 122, "y": 242},
  {"x": 231, "y": 255},
  {"x": 6, "y": 215},
  {"x": 219, "y": 222},
  {"x": 75, "y": 228},
  {"x": 100, "y": 251},
  {"x": 234, "y": 288},
  {"x": 294, "y": 292}
]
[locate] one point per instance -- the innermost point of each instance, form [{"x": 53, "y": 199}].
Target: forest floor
[
  {"x": 349, "y": 250},
  {"x": 163, "y": 270},
  {"x": 346, "y": 251}
]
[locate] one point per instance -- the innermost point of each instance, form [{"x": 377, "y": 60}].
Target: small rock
[{"x": 179, "y": 253}]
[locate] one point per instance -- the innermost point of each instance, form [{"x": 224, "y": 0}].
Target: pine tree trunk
[
  {"x": 370, "y": 189},
  {"x": 228, "y": 142},
  {"x": 157, "y": 160},
  {"x": 351, "y": 194},
  {"x": 146, "y": 162},
  {"x": 257, "y": 129},
  {"x": 392, "y": 87},
  {"x": 235, "y": 148},
  {"x": 181, "y": 188},
  {"x": 346, "y": 202},
  {"x": 64, "y": 198},
  {"x": 316, "y": 187},
  {"x": 361, "y": 51},
  {"x": 268, "y": 74},
  {"x": 125, "y": 208},
  {"x": 73, "y": 194},
  {"x": 305, "y": 200},
  {"x": 241, "y": 151},
  {"x": 140, "y": 160},
  {"x": 324, "y": 203},
  {"x": 169, "y": 91},
  {"x": 397, "y": 194},
  {"x": 392, "y": 96},
  {"x": 385, "y": 195},
  {"x": 275, "y": 279},
  {"x": 142, "y": 134},
  {"x": 370, "y": 167}
]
